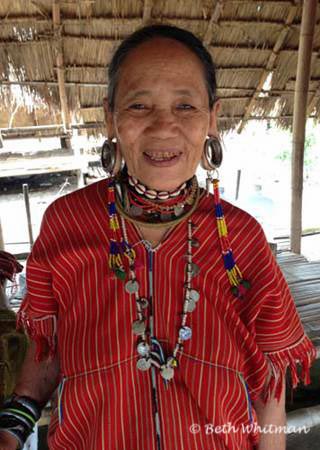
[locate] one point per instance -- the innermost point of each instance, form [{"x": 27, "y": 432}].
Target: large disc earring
[
  {"x": 211, "y": 159},
  {"x": 111, "y": 159},
  {"x": 212, "y": 154}
]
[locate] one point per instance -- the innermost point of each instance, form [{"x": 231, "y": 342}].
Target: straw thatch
[{"x": 254, "y": 45}]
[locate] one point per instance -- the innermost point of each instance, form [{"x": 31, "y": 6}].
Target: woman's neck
[{"x": 153, "y": 235}]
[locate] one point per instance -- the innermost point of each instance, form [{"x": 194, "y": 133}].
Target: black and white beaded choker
[{"x": 152, "y": 194}]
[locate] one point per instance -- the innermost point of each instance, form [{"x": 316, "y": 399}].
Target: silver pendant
[
  {"x": 143, "y": 349},
  {"x": 143, "y": 364},
  {"x": 132, "y": 286},
  {"x": 178, "y": 210},
  {"x": 195, "y": 269},
  {"x": 190, "y": 305},
  {"x": 138, "y": 327},
  {"x": 194, "y": 295},
  {"x": 135, "y": 210},
  {"x": 167, "y": 373}
]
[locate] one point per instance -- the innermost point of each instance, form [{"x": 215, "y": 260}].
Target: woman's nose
[{"x": 163, "y": 120}]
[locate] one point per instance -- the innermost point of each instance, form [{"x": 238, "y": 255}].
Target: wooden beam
[
  {"x": 126, "y": 21},
  {"x": 213, "y": 20},
  {"x": 52, "y": 83},
  {"x": 299, "y": 119},
  {"x": 270, "y": 64},
  {"x": 57, "y": 27}
]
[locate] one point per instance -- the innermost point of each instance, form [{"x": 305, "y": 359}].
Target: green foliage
[{"x": 310, "y": 155}]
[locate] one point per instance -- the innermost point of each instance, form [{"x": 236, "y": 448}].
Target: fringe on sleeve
[
  {"x": 298, "y": 359},
  {"x": 43, "y": 331}
]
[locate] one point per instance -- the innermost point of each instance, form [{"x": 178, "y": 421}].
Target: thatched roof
[{"x": 254, "y": 45}]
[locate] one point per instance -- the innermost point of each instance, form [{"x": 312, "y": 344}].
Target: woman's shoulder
[
  {"x": 74, "y": 202},
  {"x": 232, "y": 213}
]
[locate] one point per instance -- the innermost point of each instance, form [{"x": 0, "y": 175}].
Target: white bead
[
  {"x": 151, "y": 194},
  {"x": 140, "y": 189},
  {"x": 163, "y": 195}
]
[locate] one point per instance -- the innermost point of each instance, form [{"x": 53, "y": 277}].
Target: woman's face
[{"x": 161, "y": 117}]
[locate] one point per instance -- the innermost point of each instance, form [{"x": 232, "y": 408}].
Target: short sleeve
[
  {"x": 274, "y": 321},
  {"x": 39, "y": 308}
]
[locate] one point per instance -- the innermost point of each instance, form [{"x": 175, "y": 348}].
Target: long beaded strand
[{"x": 239, "y": 286}]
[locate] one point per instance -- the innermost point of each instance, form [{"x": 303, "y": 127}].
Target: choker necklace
[
  {"x": 153, "y": 213},
  {"x": 152, "y": 194}
]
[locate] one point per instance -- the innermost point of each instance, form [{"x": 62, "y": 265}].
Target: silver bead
[
  {"x": 194, "y": 295},
  {"x": 190, "y": 305},
  {"x": 132, "y": 286},
  {"x": 167, "y": 373},
  {"x": 143, "y": 364},
  {"x": 143, "y": 349},
  {"x": 138, "y": 327},
  {"x": 185, "y": 333}
]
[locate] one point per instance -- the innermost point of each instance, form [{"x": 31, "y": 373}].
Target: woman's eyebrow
[
  {"x": 132, "y": 95},
  {"x": 183, "y": 92}
]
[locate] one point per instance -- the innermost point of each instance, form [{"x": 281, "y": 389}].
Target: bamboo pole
[
  {"x": 25, "y": 188},
  {"x": 1, "y": 237},
  {"x": 299, "y": 119},
  {"x": 56, "y": 17}
]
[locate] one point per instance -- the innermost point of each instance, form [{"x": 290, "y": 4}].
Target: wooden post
[
  {"x": 3, "y": 298},
  {"x": 56, "y": 17},
  {"x": 299, "y": 120},
  {"x": 25, "y": 188},
  {"x": 1, "y": 237},
  {"x": 238, "y": 184}
]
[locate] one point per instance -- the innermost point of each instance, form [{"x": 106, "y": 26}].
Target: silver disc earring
[
  {"x": 211, "y": 158},
  {"x": 110, "y": 157}
]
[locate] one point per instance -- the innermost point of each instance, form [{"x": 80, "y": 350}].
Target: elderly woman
[{"x": 158, "y": 308}]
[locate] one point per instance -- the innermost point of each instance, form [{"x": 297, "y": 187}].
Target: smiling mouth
[{"x": 162, "y": 156}]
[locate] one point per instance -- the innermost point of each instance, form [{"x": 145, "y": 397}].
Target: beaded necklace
[{"x": 122, "y": 262}]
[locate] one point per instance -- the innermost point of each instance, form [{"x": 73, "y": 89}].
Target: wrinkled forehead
[
  {"x": 160, "y": 58},
  {"x": 160, "y": 49}
]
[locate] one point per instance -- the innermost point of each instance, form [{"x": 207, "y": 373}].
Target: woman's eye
[
  {"x": 137, "y": 106},
  {"x": 185, "y": 106}
]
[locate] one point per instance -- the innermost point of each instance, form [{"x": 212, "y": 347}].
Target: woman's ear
[
  {"x": 108, "y": 117},
  {"x": 213, "y": 121}
]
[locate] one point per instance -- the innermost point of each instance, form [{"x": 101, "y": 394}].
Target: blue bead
[
  {"x": 218, "y": 209},
  {"x": 185, "y": 333},
  {"x": 228, "y": 260}
]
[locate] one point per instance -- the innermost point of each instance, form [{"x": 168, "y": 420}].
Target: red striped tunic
[{"x": 76, "y": 304}]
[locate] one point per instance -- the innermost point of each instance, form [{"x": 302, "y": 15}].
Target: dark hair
[{"x": 165, "y": 31}]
